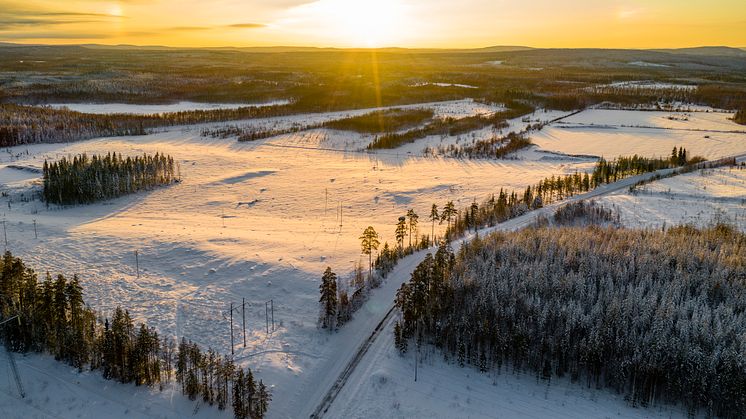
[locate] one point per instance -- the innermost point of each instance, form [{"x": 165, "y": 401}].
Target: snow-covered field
[
  {"x": 108, "y": 108},
  {"x": 701, "y": 198},
  {"x": 261, "y": 221},
  {"x": 611, "y": 133}
]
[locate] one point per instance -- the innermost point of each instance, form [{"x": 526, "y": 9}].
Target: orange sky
[{"x": 376, "y": 23}]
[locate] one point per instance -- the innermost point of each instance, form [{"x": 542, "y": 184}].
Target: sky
[{"x": 378, "y": 23}]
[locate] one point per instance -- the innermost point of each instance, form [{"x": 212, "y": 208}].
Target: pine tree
[
  {"x": 328, "y": 300},
  {"x": 434, "y": 216},
  {"x": 239, "y": 395},
  {"x": 369, "y": 243},
  {"x": 401, "y": 232},
  {"x": 413, "y": 219}
]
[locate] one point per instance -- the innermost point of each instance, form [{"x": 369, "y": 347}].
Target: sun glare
[{"x": 363, "y": 23}]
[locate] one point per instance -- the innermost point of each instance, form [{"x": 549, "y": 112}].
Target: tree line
[
  {"x": 51, "y": 316},
  {"x": 655, "y": 315},
  {"x": 84, "y": 179},
  {"x": 452, "y": 126},
  {"x": 336, "y": 303},
  {"x": 507, "y": 205},
  {"x": 21, "y": 124}
]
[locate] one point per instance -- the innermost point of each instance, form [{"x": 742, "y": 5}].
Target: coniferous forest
[
  {"x": 84, "y": 180},
  {"x": 658, "y": 316},
  {"x": 51, "y": 317}
]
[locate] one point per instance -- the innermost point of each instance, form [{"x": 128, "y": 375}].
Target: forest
[
  {"x": 385, "y": 121},
  {"x": 452, "y": 126},
  {"x": 52, "y": 317},
  {"x": 658, "y": 316},
  {"x": 321, "y": 81},
  {"x": 84, "y": 180}
]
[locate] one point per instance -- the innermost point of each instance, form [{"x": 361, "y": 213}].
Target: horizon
[
  {"x": 344, "y": 24},
  {"x": 507, "y": 48}
]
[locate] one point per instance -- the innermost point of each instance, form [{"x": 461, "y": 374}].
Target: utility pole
[
  {"x": 266, "y": 314},
  {"x": 36, "y": 236},
  {"x": 272, "y": 308},
  {"x": 137, "y": 264},
  {"x": 243, "y": 314},
  {"x": 231, "y": 329},
  {"x": 5, "y": 233}
]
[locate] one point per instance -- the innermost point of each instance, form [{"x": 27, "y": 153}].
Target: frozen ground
[
  {"x": 107, "y": 108},
  {"x": 258, "y": 220},
  {"x": 611, "y": 133},
  {"x": 700, "y": 198}
]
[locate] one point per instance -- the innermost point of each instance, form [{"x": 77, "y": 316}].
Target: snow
[
  {"x": 280, "y": 233},
  {"x": 646, "y": 85},
  {"x": 700, "y": 198},
  {"x": 646, "y": 64},
  {"x": 55, "y": 390},
  {"x": 110, "y": 108},
  {"x": 465, "y": 86},
  {"x": 260, "y": 220},
  {"x": 611, "y": 133},
  {"x": 385, "y": 387}
]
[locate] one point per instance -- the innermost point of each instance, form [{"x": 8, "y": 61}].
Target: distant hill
[{"x": 708, "y": 51}]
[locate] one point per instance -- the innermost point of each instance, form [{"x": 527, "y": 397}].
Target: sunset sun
[{"x": 363, "y": 23}]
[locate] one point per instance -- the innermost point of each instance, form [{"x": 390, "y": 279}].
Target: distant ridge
[{"x": 716, "y": 51}]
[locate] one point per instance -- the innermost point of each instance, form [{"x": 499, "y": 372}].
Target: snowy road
[{"x": 344, "y": 368}]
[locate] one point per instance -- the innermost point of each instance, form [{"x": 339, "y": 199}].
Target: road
[{"x": 403, "y": 270}]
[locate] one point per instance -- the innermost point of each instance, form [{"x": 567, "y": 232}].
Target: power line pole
[
  {"x": 137, "y": 264},
  {"x": 5, "y": 233},
  {"x": 272, "y": 307},
  {"x": 231, "y": 329},
  {"x": 36, "y": 236},
  {"x": 266, "y": 314},
  {"x": 243, "y": 314}
]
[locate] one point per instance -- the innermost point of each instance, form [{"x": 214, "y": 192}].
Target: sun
[{"x": 364, "y": 23}]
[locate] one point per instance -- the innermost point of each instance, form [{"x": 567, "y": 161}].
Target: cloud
[
  {"x": 247, "y": 25},
  {"x": 190, "y": 28},
  {"x": 52, "y": 35}
]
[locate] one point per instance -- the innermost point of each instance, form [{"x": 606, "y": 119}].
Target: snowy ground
[
  {"x": 611, "y": 133},
  {"x": 109, "y": 108},
  {"x": 385, "y": 388},
  {"x": 260, "y": 220},
  {"x": 55, "y": 390},
  {"x": 701, "y": 198}
]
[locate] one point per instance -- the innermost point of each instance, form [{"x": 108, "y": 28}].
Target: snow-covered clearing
[
  {"x": 110, "y": 108},
  {"x": 261, "y": 220},
  {"x": 612, "y": 133},
  {"x": 646, "y": 85},
  {"x": 701, "y": 198}
]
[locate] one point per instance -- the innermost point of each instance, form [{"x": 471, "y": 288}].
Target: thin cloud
[
  {"x": 190, "y": 28},
  {"x": 247, "y": 25}
]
